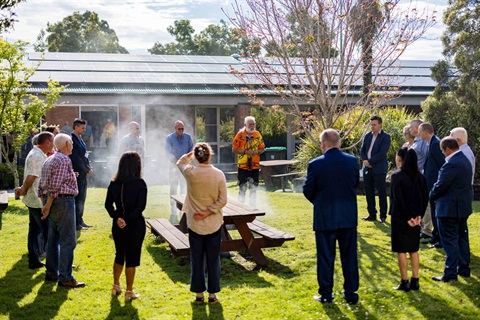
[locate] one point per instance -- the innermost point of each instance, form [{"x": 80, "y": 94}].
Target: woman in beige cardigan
[{"x": 206, "y": 196}]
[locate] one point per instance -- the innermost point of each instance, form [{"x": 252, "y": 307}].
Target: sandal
[
  {"x": 199, "y": 300},
  {"x": 212, "y": 300}
]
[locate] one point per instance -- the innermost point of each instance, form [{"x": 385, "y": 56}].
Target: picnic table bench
[
  {"x": 254, "y": 234},
  {"x": 285, "y": 176}
]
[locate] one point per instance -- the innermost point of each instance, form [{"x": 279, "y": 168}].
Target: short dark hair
[
  {"x": 78, "y": 122},
  {"x": 427, "y": 127},
  {"x": 43, "y": 137},
  {"x": 376, "y": 118},
  {"x": 129, "y": 167},
  {"x": 450, "y": 143}
]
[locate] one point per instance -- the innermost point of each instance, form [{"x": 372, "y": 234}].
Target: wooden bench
[
  {"x": 3, "y": 200},
  {"x": 177, "y": 240},
  {"x": 285, "y": 176},
  {"x": 268, "y": 232}
]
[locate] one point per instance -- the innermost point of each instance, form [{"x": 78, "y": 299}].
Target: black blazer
[
  {"x": 134, "y": 200},
  {"x": 378, "y": 158},
  {"x": 80, "y": 163},
  {"x": 433, "y": 163},
  {"x": 408, "y": 197}
]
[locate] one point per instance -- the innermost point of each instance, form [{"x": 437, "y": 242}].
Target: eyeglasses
[{"x": 181, "y": 129}]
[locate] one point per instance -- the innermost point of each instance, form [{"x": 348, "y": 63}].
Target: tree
[
  {"x": 20, "y": 112},
  {"x": 220, "y": 39},
  {"x": 456, "y": 99},
  {"x": 328, "y": 84},
  {"x": 79, "y": 33},
  {"x": 7, "y": 16}
]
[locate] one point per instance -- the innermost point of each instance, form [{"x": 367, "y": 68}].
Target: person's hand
[
  {"x": 367, "y": 164},
  {"x": 121, "y": 223},
  {"x": 45, "y": 212},
  {"x": 418, "y": 220},
  {"x": 76, "y": 174},
  {"x": 411, "y": 222},
  {"x": 201, "y": 215},
  {"x": 89, "y": 173}
]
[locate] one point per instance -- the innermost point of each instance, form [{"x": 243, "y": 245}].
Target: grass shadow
[
  {"x": 12, "y": 293},
  {"x": 117, "y": 311},
  {"x": 178, "y": 270}
]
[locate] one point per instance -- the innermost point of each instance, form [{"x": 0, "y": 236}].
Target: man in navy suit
[
  {"x": 375, "y": 167},
  {"x": 81, "y": 165},
  {"x": 330, "y": 186},
  {"x": 433, "y": 163},
  {"x": 453, "y": 197}
]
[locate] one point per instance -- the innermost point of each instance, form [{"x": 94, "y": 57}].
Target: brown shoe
[{"x": 72, "y": 283}]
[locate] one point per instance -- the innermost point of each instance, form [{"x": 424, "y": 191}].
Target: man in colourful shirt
[
  {"x": 33, "y": 168},
  {"x": 57, "y": 189},
  {"x": 248, "y": 145},
  {"x": 177, "y": 144}
]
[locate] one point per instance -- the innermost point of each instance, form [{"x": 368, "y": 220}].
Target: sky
[{"x": 141, "y": 23}]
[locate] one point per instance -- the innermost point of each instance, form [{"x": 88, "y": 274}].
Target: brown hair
[
  {"x": 129, "y": 167},
  {"x": 202, "y": 152}
]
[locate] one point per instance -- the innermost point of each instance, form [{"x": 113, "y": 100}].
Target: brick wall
[{"x": 60, "y": 114}]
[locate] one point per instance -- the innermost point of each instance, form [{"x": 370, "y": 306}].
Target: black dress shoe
[
  {"x": 351, "y": 298},
  {"x": 85, "y": 225},
  {"x": 436, "y": 246},
  {"x": 404, "y": 285},
  {"x": 464, "y": 274},
  {"x": 51, "y": 277},
  {"x": 323, "y": 299},
  {"x": 80, "y": 228},
  {"x": 443, "y": 278},
  {"x": 382, "y": 220},
  {"x": 424, "y": 236},
  {"x": 72, "y": 283},
  {"x": 369, "y": 218},
  {"x": 36, "y": 265}
]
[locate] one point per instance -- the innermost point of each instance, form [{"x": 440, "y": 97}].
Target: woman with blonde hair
[{"x": 206, "y": 196}]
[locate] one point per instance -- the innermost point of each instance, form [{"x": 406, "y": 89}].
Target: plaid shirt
[{"x": 57, "y": 177}]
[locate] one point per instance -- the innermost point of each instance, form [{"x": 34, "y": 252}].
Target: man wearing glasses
[
  {"x": 177, "y": 144},
  {"x": 133, "y": 142}
]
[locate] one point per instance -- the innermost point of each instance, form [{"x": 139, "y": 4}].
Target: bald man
[{"x": 133, "y": 141}]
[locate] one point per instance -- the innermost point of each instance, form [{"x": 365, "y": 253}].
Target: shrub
[
  {"x": 394, "y": 119},
  {"x": 7, "y": 180}
]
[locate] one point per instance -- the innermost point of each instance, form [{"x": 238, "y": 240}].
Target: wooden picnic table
[
  {"x": 242, "y": 216},
  {"x": 271, "y": 168}
]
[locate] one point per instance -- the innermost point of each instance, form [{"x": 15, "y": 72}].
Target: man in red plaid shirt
[{"x": 57, "y": 189}]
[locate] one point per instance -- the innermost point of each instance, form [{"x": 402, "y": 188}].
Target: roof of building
[{"x": 98, "y": 73}]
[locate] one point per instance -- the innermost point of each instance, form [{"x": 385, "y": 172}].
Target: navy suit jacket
[
  {"x": 433, "y": 163},
  {"x": 378, "y": 158},
  {"x": 80, "y": 163},
  {"x": 452, "y": 192},
  {"x": 331, "y": 185}
]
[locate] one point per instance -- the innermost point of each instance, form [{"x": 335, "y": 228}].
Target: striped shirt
[{"x": 57, "y": 177}]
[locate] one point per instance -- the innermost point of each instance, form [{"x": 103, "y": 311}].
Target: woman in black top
[
  {"x": 408, "y": 202},
  {"x": 128, "y": 192}
]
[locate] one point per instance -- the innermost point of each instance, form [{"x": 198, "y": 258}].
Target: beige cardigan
[{"x": 206, "y": 189}]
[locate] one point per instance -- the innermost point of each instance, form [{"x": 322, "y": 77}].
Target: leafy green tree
[
  {"x": 456, "y": 99},
  {"x": 79, "y": 33},
  {"x": 216, "y": 39},
  {"x": 20, "y": 112},
  {"x": 7, "y": 16}
]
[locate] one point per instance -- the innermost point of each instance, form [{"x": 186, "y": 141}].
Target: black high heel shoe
[{"x": 404, "y": 285}]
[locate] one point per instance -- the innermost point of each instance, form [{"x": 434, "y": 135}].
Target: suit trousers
[
  {"x": 436, "y": 237},
  {"x": 80, "y": 199},
  {"x": 427, "y": 223},
  {"x": 375, "y": 181},
  {"x": 347, "y": 243},
  {"x": 454, "y": 235}
]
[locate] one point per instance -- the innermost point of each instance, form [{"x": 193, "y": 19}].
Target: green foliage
[
  {"x": 7, "y": 180},
  {"x": 216, "y": 39},
  {"x": 456, "y": 99},
  {"x": 20, "y": 112},
  {"x": 272, "y": 124},
  {"x": 7, "y": 16},
  {"x": 79, "y": 33},
  {"x": 394, "y": 119},
  {"x": 283, "y": 290}
]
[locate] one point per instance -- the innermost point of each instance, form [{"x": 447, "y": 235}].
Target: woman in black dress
[
  {"x": 408, "y": 202},
  {"x": 128, "y": 192}
]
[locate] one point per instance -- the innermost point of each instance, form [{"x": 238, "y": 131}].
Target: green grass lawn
[{"x": 284, "y": 290}]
